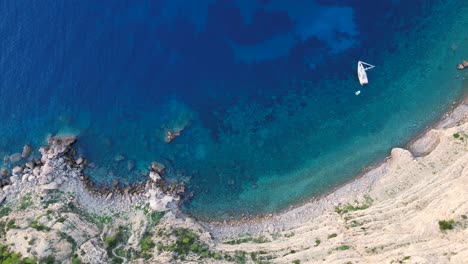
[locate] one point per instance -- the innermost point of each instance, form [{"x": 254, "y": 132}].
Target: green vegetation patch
[
  {"x": 259, "y": 240},
  {"x": 11, "y": 224},
  {"x": 76, "y": 260},
  {"x": 343, "y": 247},
  {"x": 456, "y": 135},
  {"x": 8, "y": 257},
  {"x": 187, "y": 242},
  {"x": 343, "y": 209},
  {"x": 147, "y": 243},
  {"x": 155, "y": 217},
  {"x": 446, "y": 224},
  {"x": 4, "y": 211},
  {"x": 121, "y": 236},
  {"x": 317, "y": 242},
  {"x": 39, "y": 227},
  {"x": 25, "y": 201},
  {"x": 69, "y": 239},
  {"x": 402, "y": 260},
  {"x": 332, "y": 235}
]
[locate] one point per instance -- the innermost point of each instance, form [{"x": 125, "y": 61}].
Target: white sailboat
[{"x": 361, "y": 71}]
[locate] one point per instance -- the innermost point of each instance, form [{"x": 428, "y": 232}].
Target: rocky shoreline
[
  {"x": 54, "y": 186},
  {"x": 51, "y": 212}
]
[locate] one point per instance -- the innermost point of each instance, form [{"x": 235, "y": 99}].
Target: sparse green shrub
[
  {"x": 317, "y": 242},
  {"x": 355, "y": 223},
  {"x": 69, "y": 239},
  {"x": 29, "y": 261},
  {"x": 146, "y": 243},
  {"x": 8, "y": 257},
  {"x": 456, "y": 135},
  {"x": 48, "y": 260},
  {"x": 11, "y": 225},
  {"x": 343, "y": 247},
  {"x": 464, "y": 217},
  {"x": 259, "y": 240},
  {"x": 446, "y": 224},
  {"x": 343, "y": 209},
  {"x": 187, "y": 242},
  {"x": 240, "y": 257},
  {"x": 25, "y": 202},
  {"x": 296, "y": 261},
  {"x": 401, "y": 261},
  {"x": 332, "y": 235},
  {"x": 155, "y": 217},
  {"x": 4, "y": 211},
  {"x": 76, "y": 260},
  {"x": 39, "y": 227}
]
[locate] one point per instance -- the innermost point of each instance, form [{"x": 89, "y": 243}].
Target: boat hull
[{"x": 362, "y": 75}]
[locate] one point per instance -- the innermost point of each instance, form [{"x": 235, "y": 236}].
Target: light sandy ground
[{"x": 410, "y": 196}]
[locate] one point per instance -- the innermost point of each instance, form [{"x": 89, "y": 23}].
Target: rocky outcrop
[
  {"x": 426, "y": 144},
  {"x": 68, "y": 225}
]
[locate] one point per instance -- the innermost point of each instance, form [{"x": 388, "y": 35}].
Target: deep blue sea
[{"x": 262, "y": 91}]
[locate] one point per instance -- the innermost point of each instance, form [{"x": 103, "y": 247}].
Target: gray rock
[
  {"x": 4, "y": 172},
  {"x": 25, "y": 178},
  {"x": 30, "y": 165},
  {"x": 79, "y": 161},
  {"x": 17, "y": 170},
  {"x": 14, "y": 178},
  {"x": 37, "y": 171},
  {"x": 50, "y": 186},
  {"x": 26, "y": 151}
]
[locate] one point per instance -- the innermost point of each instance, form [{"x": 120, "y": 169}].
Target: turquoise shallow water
[{"x": 262, "y": 90}]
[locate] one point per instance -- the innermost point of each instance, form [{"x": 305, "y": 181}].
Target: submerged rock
[
  {"x": 157, "y": 167},
  {"x": 130, "y": 165},
  {"x": 115, "y": 183},
  {"x": 119, "y": 158},
  {"x": 462, "y": 65},
  {"x": 4, "y": 172},
  {"x": 26, "y": 151},
  {"x": 171, "y": 135},
  {"x": 15, "y": 157}
]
